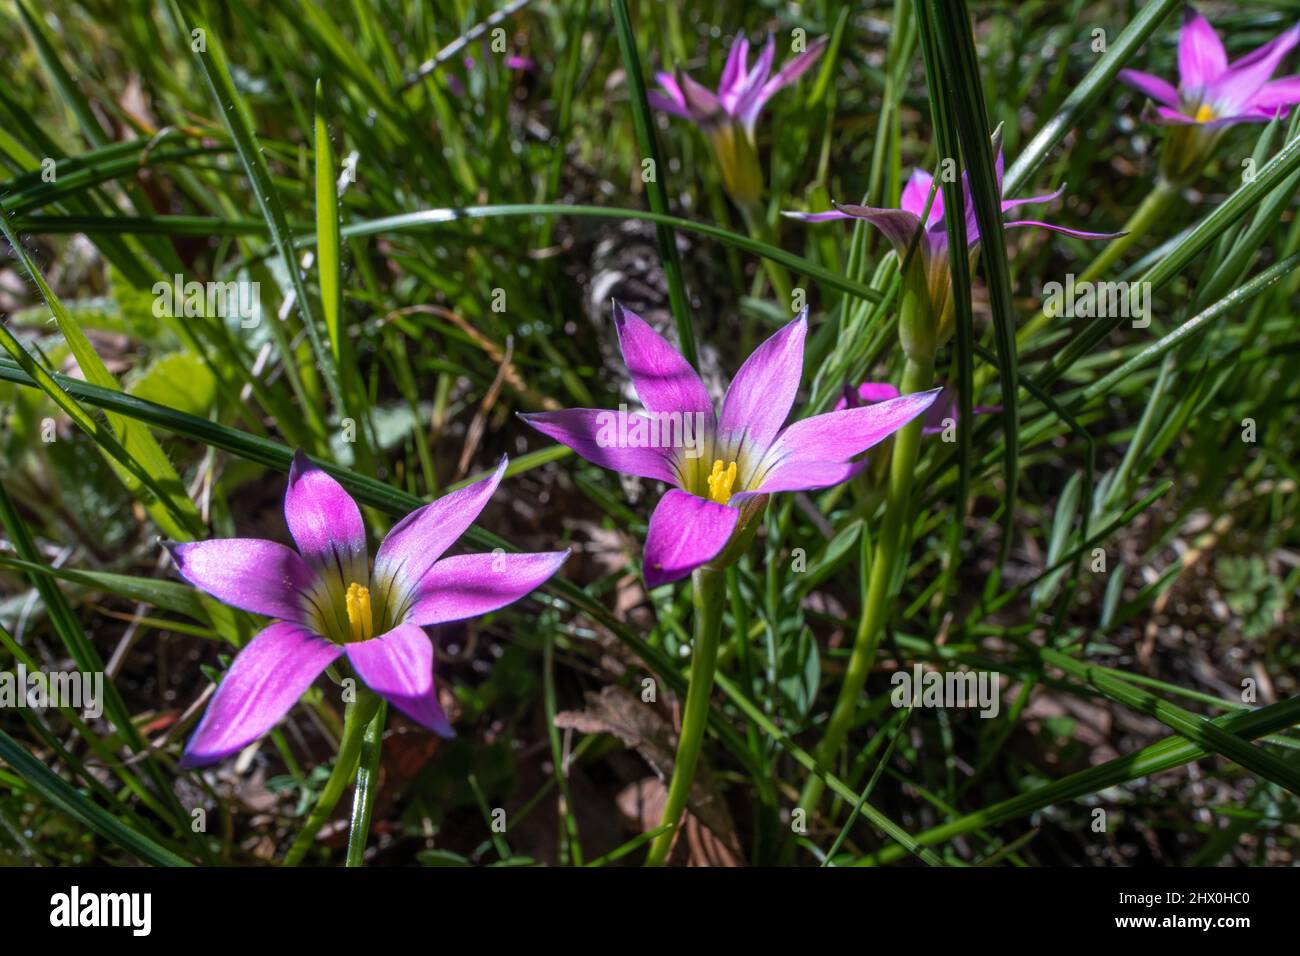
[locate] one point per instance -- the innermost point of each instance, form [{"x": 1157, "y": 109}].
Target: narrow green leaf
[
  {"x": 328, "y": 264},
  {"x": 58, "y": 793},
  {"x": 234, "y": 113},
  {"x": 645, "y": 135}
]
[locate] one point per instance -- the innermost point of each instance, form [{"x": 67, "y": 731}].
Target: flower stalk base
[
  {"x": 710, "y": 594},
  {"x": 360, "y": 713},
  {"x": 918, "y": 375}
]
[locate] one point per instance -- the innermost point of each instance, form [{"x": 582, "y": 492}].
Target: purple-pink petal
[
  {"x": 248, "y": 573},
  {"x": 897, "y": 225},
  {"x": 1279, "y": 93},
  {"x": 756, "y": 77},
  {"x": 673, "y": 91},
  {"x": 1240, "y": 84},
  {"x": 667, "y": 104},
  {"x": 684, "y": 533},
  {"x": 1009, "y": 204},
  {"x": 671, "y": 100},
  {"x": 917, "y": 193},
  {"x": 936, "y": 416},
  {"x": 266, "y": 678},
  {"x": 945, "y": 409},
  {"x": 324, "y": 520},
  {"x": 594, "y": 434},
  {"x": 1076, "y": 233},
  {"x": 664, "y": 380},
  {"x": 468, "y": 585},
  {"x": 733, "y": 73},
  {"x": 1167, "y": 116},
  {"x": 826, "y": 216},
  {"x": 865, "y": 394},
  {"x": 699, "y": 101},
  {"x": 759, "y": 399},
  {"x": 1271, "y": 52},
  {"x": 1162, "y": 91},
  {"x": 751, "y": 93},
  {"x": 787, "y": 75},
  {"x": 799, "y": 475},
  {"x": 838, "y": 436},
  {"x": 796, "y": 67},
  {"x": 1201, "y": 57},
  {"x": 398, "y": 666},
  {"x": 877, "y": 391},
  {"x": 1236, "y": 88},
  {"x": 420, "y": 539}
]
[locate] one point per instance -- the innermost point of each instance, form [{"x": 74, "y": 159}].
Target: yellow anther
[
  {"x": 1204, "y": 113},
  {"x": 358, "y": 600},
  {"x": 720, "y": 482}
]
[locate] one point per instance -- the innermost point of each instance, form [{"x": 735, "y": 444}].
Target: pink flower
[
  {"x": 1214, "y": 93},
  {"x": 742, "y": 92},
  {"x": 329, "y": 602},
  {"x": 741, "y": 453},
  {"x": 728, "y": 116},
  {"x": 931, "y": 259}
]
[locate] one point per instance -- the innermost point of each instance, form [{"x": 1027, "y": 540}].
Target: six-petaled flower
[
  {"x": 329, "y": 602},
  {"x": 1212, "y": 92},
  {"x": 929, "y": 266},
  {"x": 745, "y": 453},
  {"x": 728, "y": 117}
]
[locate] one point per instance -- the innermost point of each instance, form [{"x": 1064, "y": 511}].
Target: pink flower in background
[
  {"x": 741, "y": 453},
  {"x": 329, "y": 602},
  {"x": 742, "y": 92},
  {"x": 514, "y": 62},
  {"x": 1212, "y": 92},
  {"x": 901, "y": 225},
  {"x": 728, "y": 116}
]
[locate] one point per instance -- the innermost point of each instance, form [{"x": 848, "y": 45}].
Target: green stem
[
  {"x": 355, "y": 721},
  {"x": 760, "y": 230},
  {"x": 918, "y": 374},
  {"x": 363, "y": 798},
  {"x": 709, "y": 597}
]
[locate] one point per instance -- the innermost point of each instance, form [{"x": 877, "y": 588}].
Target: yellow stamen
[
  {"x": 1204, "y": 113},
  {"x": 720, "y": 482},
  {"x": 358, "y": 601}
]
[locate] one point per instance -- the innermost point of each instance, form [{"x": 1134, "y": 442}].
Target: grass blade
[
  {"x": 649, "y": 147},
  {"x": 234, "y": 113}
]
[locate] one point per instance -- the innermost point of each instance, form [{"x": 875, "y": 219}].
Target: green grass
[{"x": 436, "y": 247}]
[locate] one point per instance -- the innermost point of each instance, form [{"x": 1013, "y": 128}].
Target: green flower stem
[
  {"x": 760, "y": 230},
  {"x": 1151, "y": 211},
  {"x": 918, "y": 374},
  {"x": 363, "y": 798},
  {"x": 359, "y": 714},
  {"x": 710, "y": 596}
]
